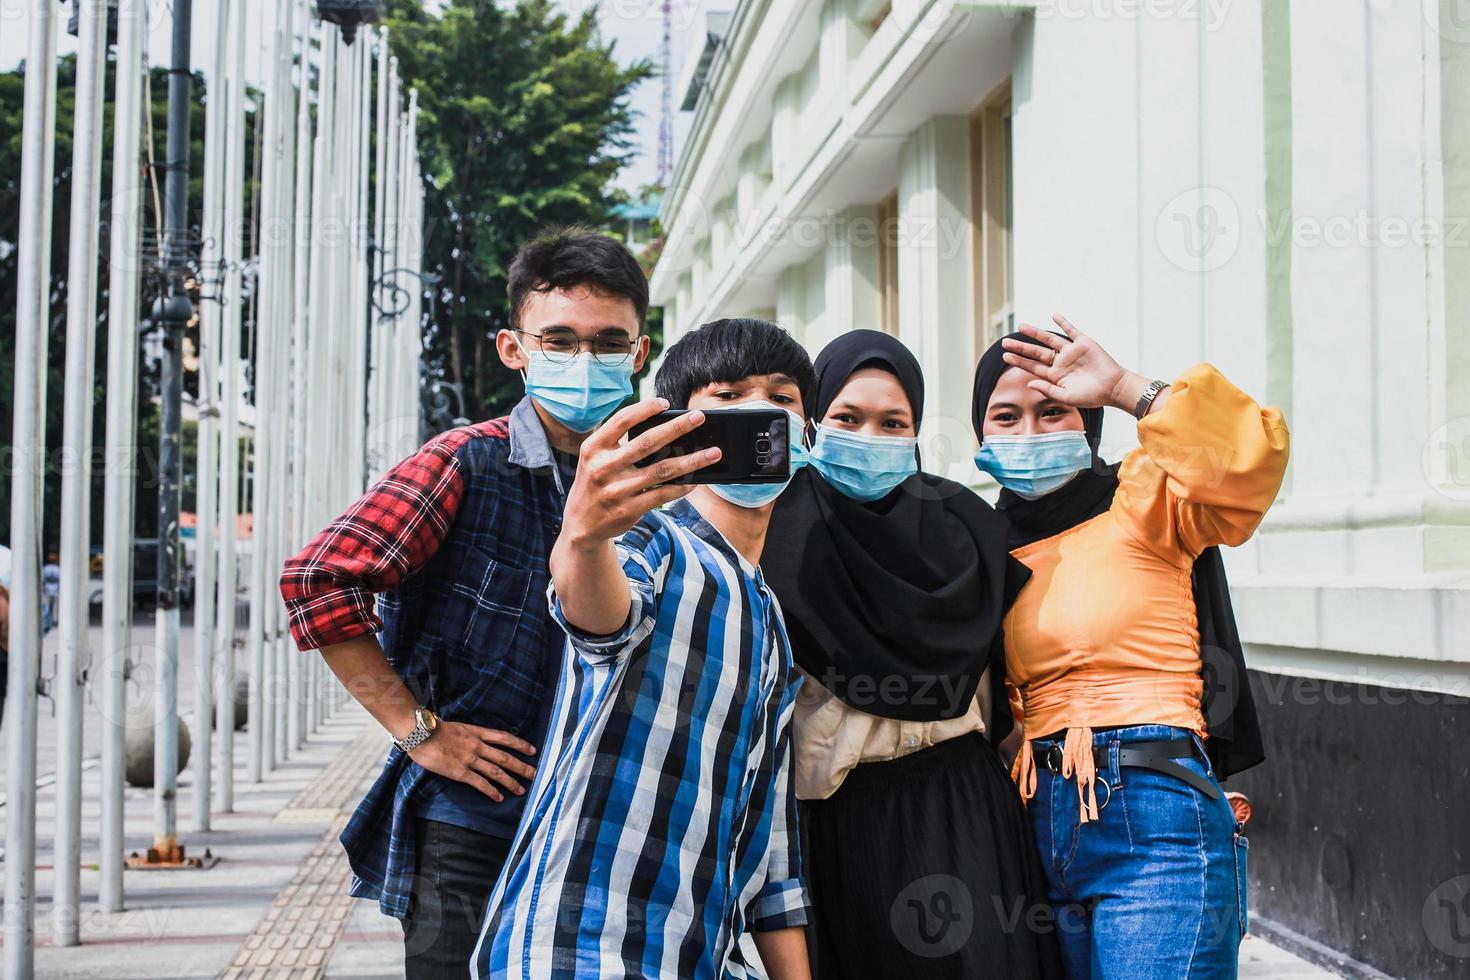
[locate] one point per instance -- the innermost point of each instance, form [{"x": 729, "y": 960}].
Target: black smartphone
[{"x": 755, "y": 445}]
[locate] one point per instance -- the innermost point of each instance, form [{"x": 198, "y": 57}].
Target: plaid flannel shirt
[{"x": 454, "y": 542}]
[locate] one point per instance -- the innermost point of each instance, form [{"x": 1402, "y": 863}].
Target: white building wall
[{"x": 1140, "y": 178}]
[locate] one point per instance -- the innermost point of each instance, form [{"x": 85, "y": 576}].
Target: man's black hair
[
  {"x": 560, "y": 258},
  {"x": 730, "y": 350}
]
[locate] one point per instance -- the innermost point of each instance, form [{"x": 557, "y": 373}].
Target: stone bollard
[
  {"x": 242, "y": 704},
  {"x": 138, "y": 747}
]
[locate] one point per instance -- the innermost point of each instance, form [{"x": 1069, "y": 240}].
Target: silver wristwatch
[
  {"x": 1146, "y": 401},
  {"x": 425, "y": 724}
]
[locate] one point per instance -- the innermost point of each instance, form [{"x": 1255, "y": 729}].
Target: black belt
[{"x": 1156, "y": 755}]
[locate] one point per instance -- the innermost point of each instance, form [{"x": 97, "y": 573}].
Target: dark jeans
[{"x": 454, "y": 877}]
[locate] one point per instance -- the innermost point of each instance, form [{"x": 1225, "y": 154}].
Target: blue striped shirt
[{"x": 662, "y": 823}]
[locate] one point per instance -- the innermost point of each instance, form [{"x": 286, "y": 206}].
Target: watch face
[{"x": 431, "y": 720}]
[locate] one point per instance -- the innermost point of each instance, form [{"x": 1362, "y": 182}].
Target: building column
[
  {"x": 1373, "y": 308},
  {"x": 791, "y": 307},
  {"x": 850, "y": 275},
  {"x": 751, "y": 187},
  {"x": 785, "y": 120},
  {"x": 936, "y": 285},
  {"x": 841, "y": 39}
]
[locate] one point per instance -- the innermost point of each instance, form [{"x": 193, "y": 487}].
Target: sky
[{"x": 635, "y": 27}]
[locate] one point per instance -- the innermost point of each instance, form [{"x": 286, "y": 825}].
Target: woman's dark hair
[
  {"x": 560, "y": 258},
  {"x": 730, "y": 350}
]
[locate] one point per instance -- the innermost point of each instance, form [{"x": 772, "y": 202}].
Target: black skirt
[{"x": 925, "y": 867}]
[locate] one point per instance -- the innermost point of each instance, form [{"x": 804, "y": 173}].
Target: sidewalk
[{"x": 276, "y": 904}]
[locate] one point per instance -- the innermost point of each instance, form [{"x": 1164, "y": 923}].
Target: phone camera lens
[
  {"x": 763, "y": 445},
  {"x": 762, "y": 460}
]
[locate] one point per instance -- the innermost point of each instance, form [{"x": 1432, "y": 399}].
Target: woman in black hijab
[
  {"x": 1121, "y": 650},
  {"x": 893, "y": 584}
]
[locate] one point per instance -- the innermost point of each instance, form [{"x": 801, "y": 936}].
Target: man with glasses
[{"x": 459, "y": 657}]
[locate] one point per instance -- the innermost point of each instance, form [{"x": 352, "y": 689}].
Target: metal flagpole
[
  {"x": 230, "y": 450},
  {"x": 413, "y": 340},
  {"x": 29, "y": 447},
  {"x": 172, "y": 313},
  {"x": 81, "y": 327},
  {"x": 363, "y": 260},
  {"x": 122, "y": 383},
  {"x": 297, "y": 670},
  {"x": 378, "y": 413},
  {"x": 207, "y": 454},
  {"x": 392, "y": 137},
  {"x": 402, "y": 236},
  {"x": 271, "y": 286},
  {"x": 283, "y": 302},
  {"x": 316, "y": 404},
  {"x": 340, "y": 453}
]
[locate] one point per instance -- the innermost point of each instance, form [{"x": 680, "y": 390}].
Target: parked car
[{"x": 145, "y": 576}]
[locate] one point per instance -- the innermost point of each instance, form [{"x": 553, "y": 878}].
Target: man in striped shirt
[{"x": 662, "y": 825}]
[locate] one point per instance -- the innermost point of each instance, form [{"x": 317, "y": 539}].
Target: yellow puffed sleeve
[{"x": 1210, "y": 464}]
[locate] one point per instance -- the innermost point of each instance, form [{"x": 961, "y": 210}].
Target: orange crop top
[{"x": 1105, "y": 633}]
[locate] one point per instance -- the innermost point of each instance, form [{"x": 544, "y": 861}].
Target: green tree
[{"x": 524, "y": 123}]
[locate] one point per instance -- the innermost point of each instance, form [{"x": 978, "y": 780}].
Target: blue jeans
[{"x": 1156, "y": 886}]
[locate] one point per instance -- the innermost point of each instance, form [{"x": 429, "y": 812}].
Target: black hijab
[
  {"x": 895, "y": 606},
  {"x": 1234, "y": 744}
]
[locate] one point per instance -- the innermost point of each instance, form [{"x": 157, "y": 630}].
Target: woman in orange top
[{"x": 1144, "y": 859}]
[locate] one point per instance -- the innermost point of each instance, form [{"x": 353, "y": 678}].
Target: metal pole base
[{"x": 169, "y": 856}]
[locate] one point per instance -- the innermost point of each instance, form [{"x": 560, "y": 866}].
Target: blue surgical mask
[
  {"x": 755, "y": 495},
  {"x": 861, "y": 466},
  {"x": 578, "y": 392},
  {"x": 1034, "y": 466}
]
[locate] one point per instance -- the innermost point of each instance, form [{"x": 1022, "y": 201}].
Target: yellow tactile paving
[{"x": 295, "y": 936}]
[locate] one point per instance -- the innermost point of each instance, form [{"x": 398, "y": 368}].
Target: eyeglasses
[{"x": 560, "y": 344}]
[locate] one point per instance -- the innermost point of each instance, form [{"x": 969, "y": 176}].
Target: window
[
  {"x": 888, "y": 262},
  {"x": 990, "y": 170}
]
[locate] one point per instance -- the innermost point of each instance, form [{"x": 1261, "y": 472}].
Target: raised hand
[
  {"x": 611, "y": 493},
  {"x": 608, "y": 497},
  {"x": 1072, "y": 369}
]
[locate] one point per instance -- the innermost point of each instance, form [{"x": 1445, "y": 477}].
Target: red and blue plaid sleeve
[{"x": 389, "y": 534}]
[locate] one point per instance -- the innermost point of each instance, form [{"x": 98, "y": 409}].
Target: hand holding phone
[
  {"x": 611, "y": 491},
  {"x": 754, "y": 444}
]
